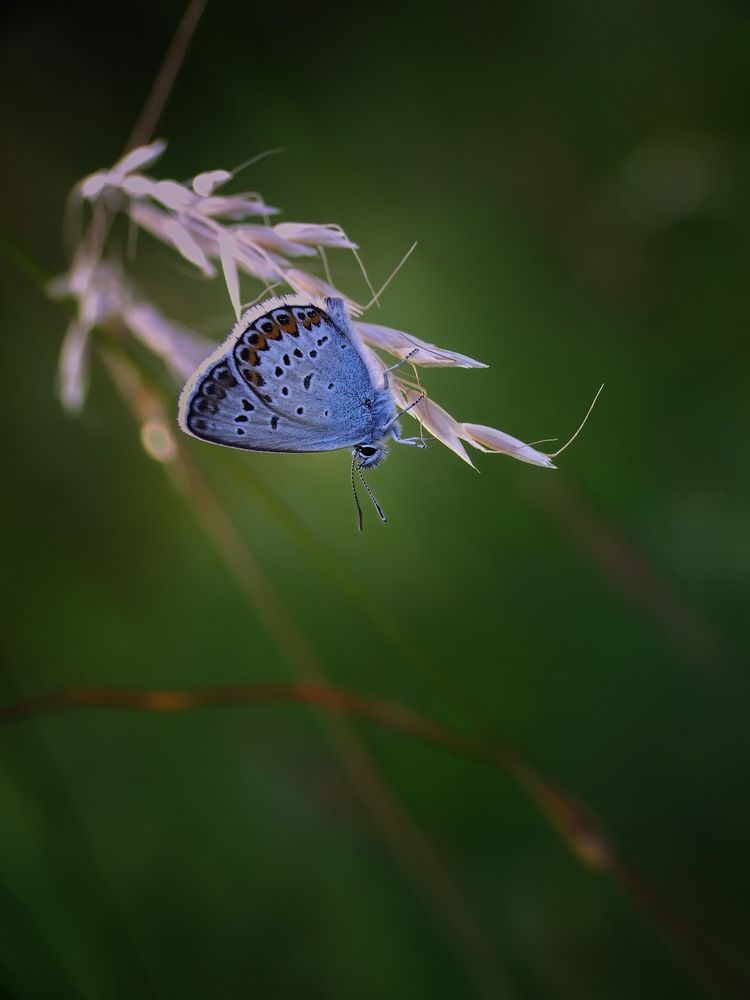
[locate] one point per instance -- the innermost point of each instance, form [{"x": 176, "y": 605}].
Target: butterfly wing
[{"x": 290, "y": 377}]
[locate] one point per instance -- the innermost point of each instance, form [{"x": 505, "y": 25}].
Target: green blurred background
[{"x": 578, "y": 178}]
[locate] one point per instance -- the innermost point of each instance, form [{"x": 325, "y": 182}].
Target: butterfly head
[{"x": 368, "y": 456}]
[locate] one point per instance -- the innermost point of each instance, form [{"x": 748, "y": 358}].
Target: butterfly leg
[
  {"x": 395, "y": 430},
  {"x": 417, "y": 442}
]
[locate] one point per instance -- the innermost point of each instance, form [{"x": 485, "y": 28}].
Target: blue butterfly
[{"x": 293, "y": 377}]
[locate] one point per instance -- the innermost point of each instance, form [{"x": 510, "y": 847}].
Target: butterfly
[{"x": 292, "y": 376}]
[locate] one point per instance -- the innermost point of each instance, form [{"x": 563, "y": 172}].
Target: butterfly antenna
[
  {"x": 401, "y": 413},
  {"x": 356, "y": 498},
  {"x": 371, "y": 495},
  {"x": 570, "y": 441},
  {"x": 392, "y": 275}
]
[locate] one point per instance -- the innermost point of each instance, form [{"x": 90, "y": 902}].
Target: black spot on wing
[{"x": 208, "y": 397}]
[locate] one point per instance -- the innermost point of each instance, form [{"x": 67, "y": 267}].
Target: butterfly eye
[{"x": 367, "y": 451}]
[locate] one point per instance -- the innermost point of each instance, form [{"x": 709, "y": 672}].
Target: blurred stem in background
[
  {"x": 572, "y": 821},
  {"x": 412, "y": 847},
  {"x": 632, "y": 576},
  {"x": 418, "y": 856},
  {"x": 583, "y": 835},
  {"x": 403, "y": 835},
  {"x": 580, "y": 831}
]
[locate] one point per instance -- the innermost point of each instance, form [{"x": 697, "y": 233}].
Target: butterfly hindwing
[{"x": 289, "y": 378}]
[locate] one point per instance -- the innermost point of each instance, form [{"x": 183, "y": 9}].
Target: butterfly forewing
[{"x": 289, "y": 378}]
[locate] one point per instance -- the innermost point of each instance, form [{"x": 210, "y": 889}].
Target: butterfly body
[{"x": 291, "y": 377}]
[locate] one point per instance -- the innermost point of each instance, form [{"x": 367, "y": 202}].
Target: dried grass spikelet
[{"x": 232, "y": 233}]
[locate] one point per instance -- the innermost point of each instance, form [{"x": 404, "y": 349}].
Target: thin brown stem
[
  {"x": 582, "y": 834},
  {"x": 164, "y": 82},
  {"x": 411, "y": 846},
  {"x": 580, "y": 831},
  {"x": 584, "y": 837},
  {"x": 632, "y": 574},
  {"x": 574, "y": 823}
]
